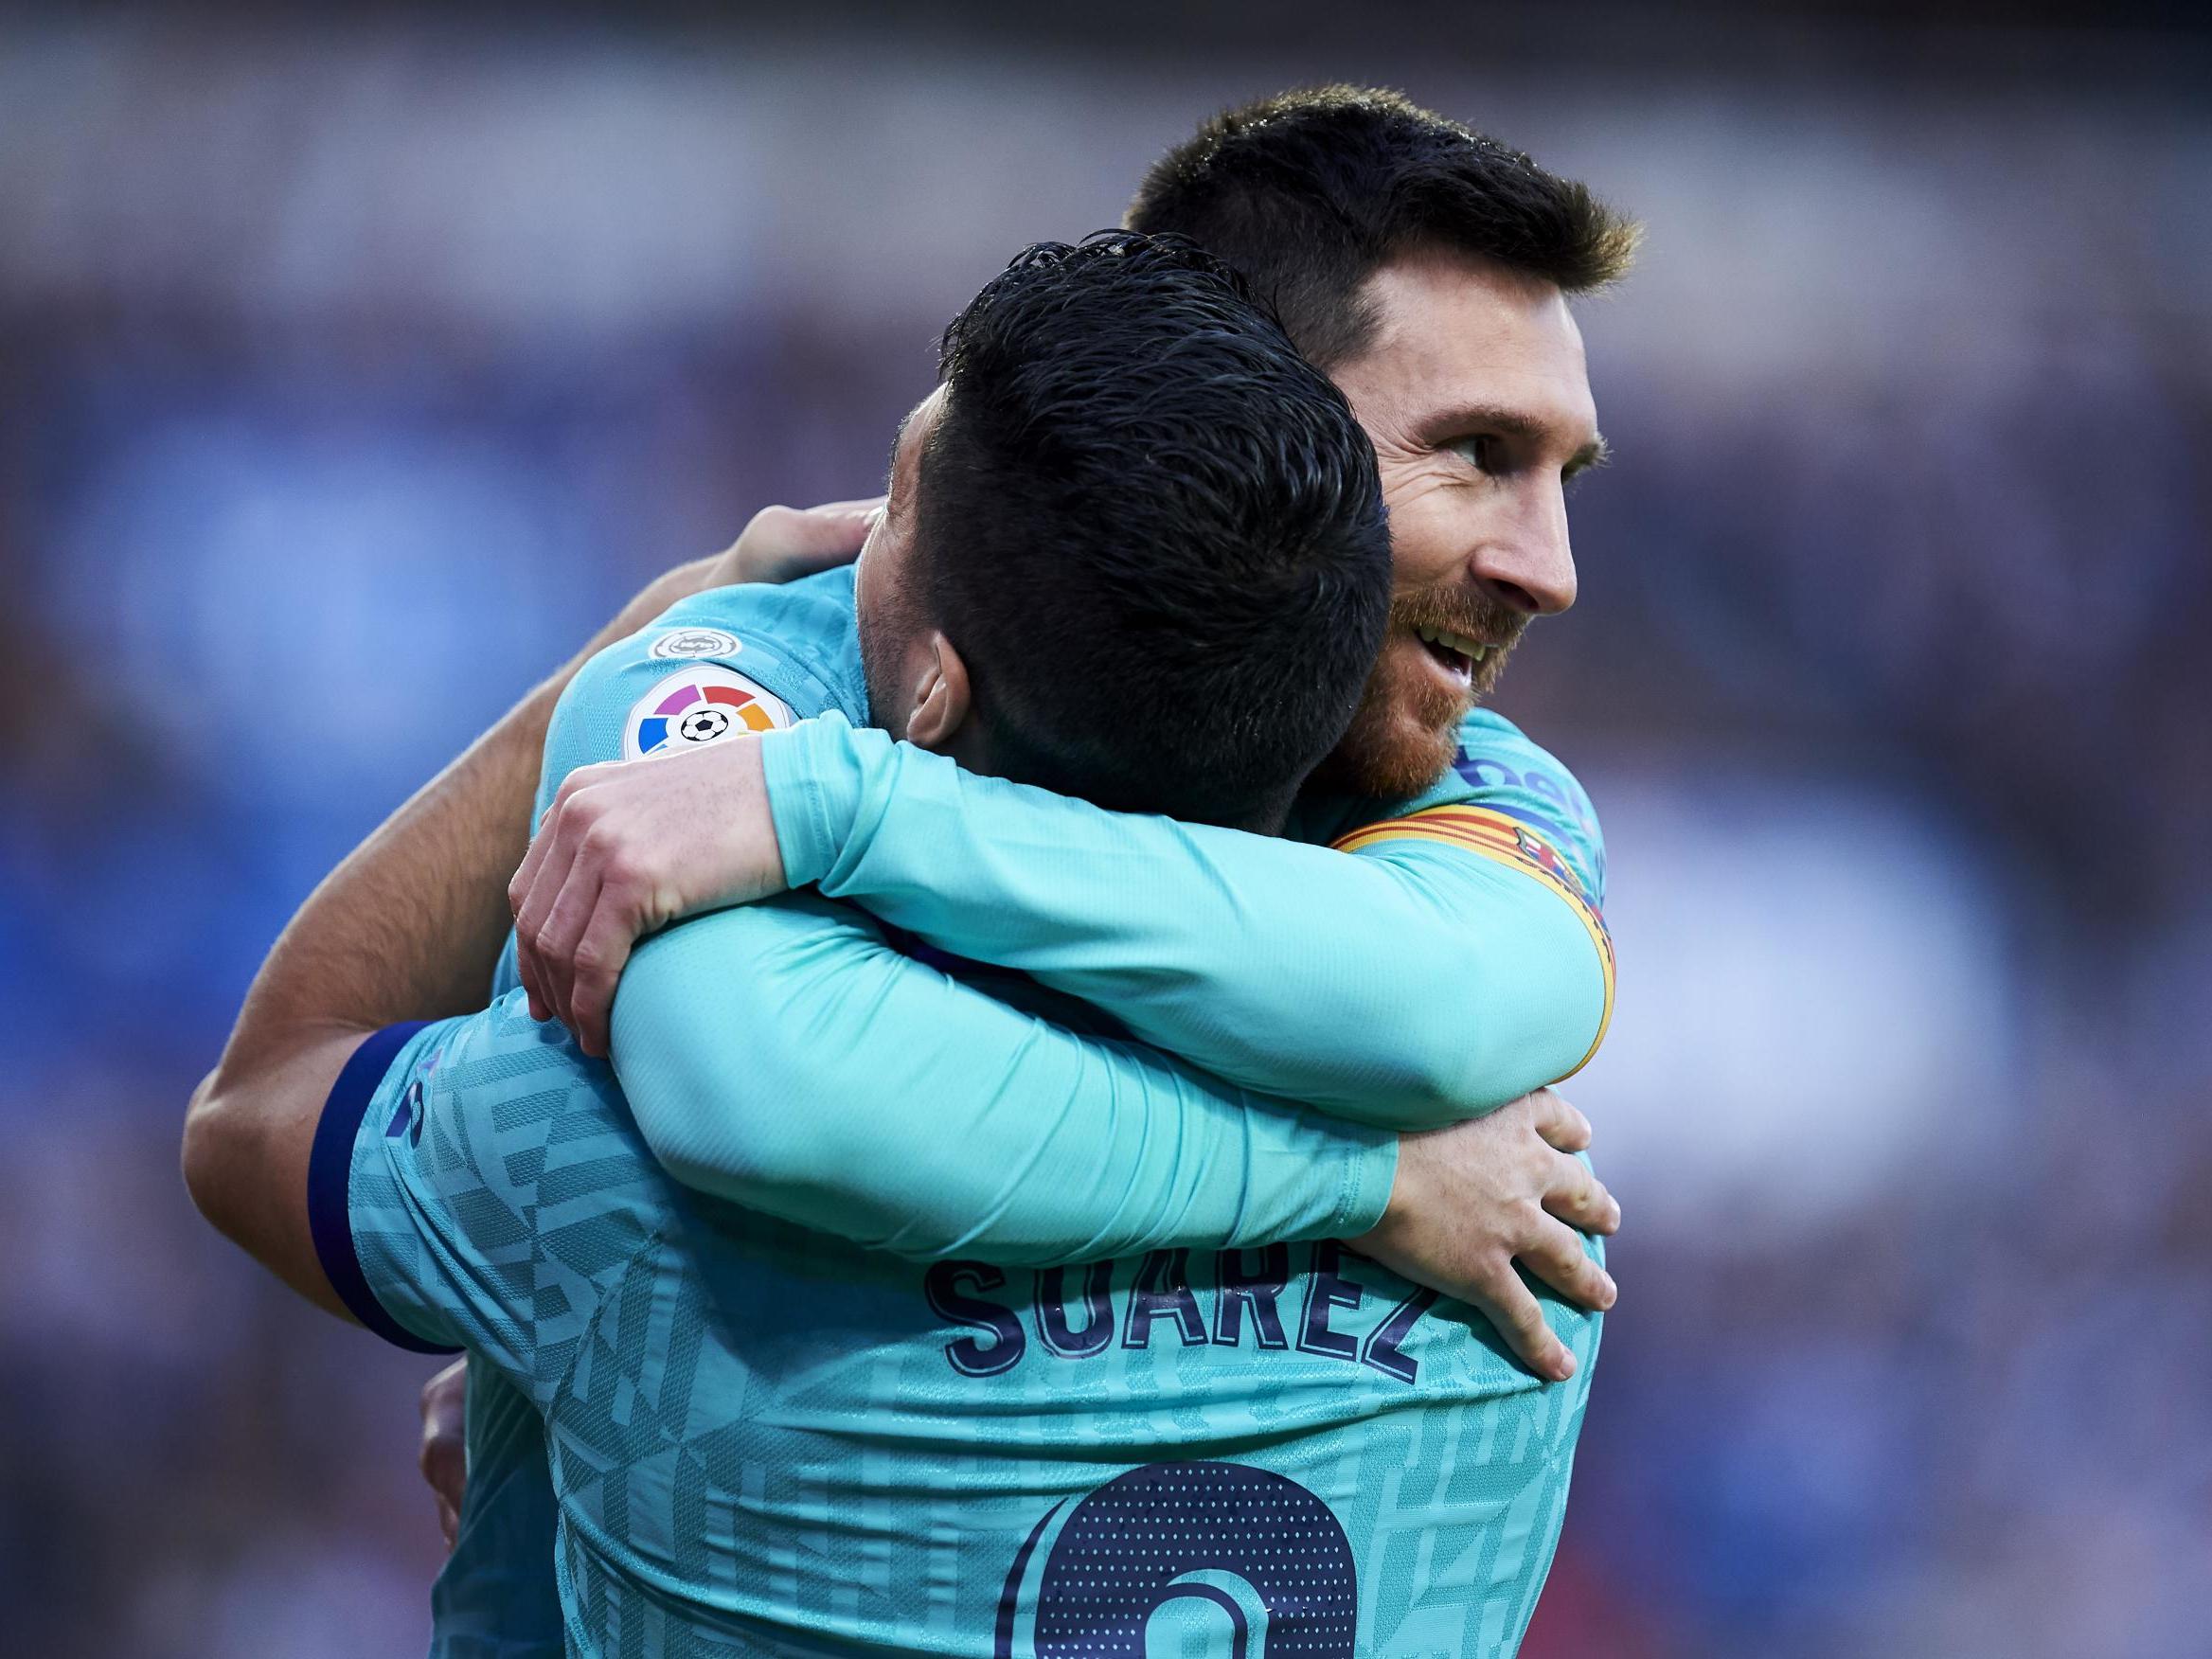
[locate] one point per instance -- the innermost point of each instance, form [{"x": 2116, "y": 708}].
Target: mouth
[{"x": 1455, "y": 653}]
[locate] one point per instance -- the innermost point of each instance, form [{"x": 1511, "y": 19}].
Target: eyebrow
[{"x": 1513, "y": 423}]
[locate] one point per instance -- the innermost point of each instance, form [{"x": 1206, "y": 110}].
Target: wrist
[
  {"x": 1374, "y": 1198},
  {"x": 813, "y": 777}
]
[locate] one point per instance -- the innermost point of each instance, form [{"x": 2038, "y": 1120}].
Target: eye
[{"x": 1480, "y": 452}]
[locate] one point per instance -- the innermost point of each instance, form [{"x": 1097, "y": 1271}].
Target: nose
[{"x": 1531, "y": 568}]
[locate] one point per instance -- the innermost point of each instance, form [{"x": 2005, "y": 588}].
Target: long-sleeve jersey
[
  {"x": 798, "y": 1056},
  {"x": 764, "y": 1439},
  {"x": 1454, "y": 961}
]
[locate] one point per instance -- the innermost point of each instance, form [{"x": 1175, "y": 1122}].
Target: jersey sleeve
[
  {"x": 785, "y": 1056},
  {"x": 1425, "y": 978},
  {"x": 476, "y": 1184}
]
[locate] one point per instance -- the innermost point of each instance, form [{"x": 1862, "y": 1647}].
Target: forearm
[
  {"x": 406, "y": 928},
  {"x": 411, "y": 923},
  {"x": 1404, "y": 990},
  {"x": 785, "y": 1059}
]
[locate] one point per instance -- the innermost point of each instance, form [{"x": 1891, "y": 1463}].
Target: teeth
[{"x": 1451, "y": 641}]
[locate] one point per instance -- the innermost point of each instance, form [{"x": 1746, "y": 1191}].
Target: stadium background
[{"x": 351, "y": 373}]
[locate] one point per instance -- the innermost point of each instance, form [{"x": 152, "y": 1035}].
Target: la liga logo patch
[{"x": 697, "y": 706}]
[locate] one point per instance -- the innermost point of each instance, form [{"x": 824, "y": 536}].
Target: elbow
[
  {"x": 745, "y": 1157},
  {"x": 714, "y": 1158},
  {"x": 753, "y": 1144},
  {"x": 1449, "y": 1067},
  {"x": 206, "y": 1156},
  {"x": 1436, "y": 1095},
  {"x": 230, "y": 1156}
]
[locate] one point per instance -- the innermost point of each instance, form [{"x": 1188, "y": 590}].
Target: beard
[
  {"x": 887, "y": 622},
  {"x": 1406, "y": 729}
]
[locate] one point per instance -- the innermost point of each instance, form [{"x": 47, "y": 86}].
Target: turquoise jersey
[
  {"x": 768, "y": 1441},
  {"x": 852, "y": 809},
  {"x": 494, "y": 1598}
]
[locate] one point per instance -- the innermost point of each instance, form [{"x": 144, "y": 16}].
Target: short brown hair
[{"x": 1309, "y": 192}]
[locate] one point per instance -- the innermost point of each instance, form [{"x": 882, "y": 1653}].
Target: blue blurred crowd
[{"x": 351, "y": 376}]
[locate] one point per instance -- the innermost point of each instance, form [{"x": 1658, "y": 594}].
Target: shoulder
[
  {"x": 1520, "y": 788},
  {"x": 1501, "y": 767},
  {"x": 1493, "y": 751},
  {"x": 729, "y": 660},
  {"x": 797, "y": 642},
  {"x": 808, "y": 624},
  {"x": 505, "y": 1194}
]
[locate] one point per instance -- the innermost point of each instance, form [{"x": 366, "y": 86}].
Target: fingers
[
  {"x": 1555, "y": 1254},
  {"x": 536, "y": 968},
  {"x": 1579, "y": 1198},
  {"x": 1509, "y": 1305},
  {"x": 517, "y": 886},
  {"x": 445, "y": 1466},
  {"x": 1565, "y": 1128},
  {"x": 783, "y": 542},
  {"x": 829, "y": 535},
  {"x": 601, "y": 952},
  {"x": 538, "y": 886},
  {"x": 563, "y": 927},
  {"x": 442, "y": 1456}
]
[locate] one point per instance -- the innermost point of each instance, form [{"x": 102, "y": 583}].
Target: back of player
[{"x": 768, "y": 1441}]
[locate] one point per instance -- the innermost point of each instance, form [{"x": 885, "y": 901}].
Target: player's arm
[
  {"x": 1439, "y": 969},
  {"x": 407, "y": 927},
  {"x": 783, "y": 1055}
]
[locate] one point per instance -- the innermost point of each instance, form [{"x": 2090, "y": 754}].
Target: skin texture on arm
[{"x": 407, "y": 927}]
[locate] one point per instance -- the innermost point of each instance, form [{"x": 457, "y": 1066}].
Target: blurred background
[{"x": 351, "y": 372}]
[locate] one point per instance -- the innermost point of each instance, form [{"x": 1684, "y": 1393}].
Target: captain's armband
[{"x": 1502, "y": 839}]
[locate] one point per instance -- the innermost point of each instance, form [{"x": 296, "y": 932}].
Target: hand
[
  {"x": 1472, "y": 1200},
  {"x": 444, "y": 1458},
  {"x": 627, "y": 847},
  {"x": 783, "y": 544}
]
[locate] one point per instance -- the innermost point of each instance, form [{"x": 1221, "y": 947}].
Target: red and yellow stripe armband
[{"x": 1504, "y": 840}]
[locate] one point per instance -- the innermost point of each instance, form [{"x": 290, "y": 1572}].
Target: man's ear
[{"x": 941, "y": 703}]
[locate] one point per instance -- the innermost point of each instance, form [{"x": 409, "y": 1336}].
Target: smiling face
[{"x": 1475, "y": 393}]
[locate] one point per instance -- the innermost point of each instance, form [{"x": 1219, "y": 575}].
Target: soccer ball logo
[
  {"x": 697, "y": 706},
  {"x": 703, "y": 726}
]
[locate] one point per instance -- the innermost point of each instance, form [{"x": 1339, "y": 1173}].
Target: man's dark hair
[
  {"x": 1153, "y": 530},
  {"x": 1309, "y": 192}
]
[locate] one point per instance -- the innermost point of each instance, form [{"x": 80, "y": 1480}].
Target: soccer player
[
  {"x": 1427, "y": 268},
  {"x": 441, "y": 1245}
]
